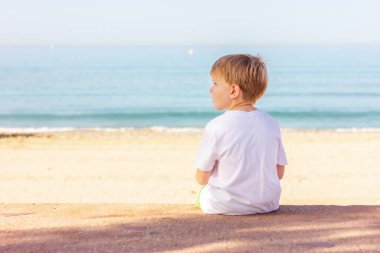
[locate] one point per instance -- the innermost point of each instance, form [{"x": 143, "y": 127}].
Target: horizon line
[{"x": 186, "y": 45}]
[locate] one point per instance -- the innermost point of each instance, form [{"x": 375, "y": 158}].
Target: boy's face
[{"x": 220, "y": 92}]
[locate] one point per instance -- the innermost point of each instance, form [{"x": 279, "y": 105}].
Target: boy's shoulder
[
  {"x": 216, "y": 122},
  {"x": 230, "y": 118},
  {"x": 268, "y": 118}
]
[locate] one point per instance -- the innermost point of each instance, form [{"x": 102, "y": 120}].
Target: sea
[{"x": 167, "y": 87}]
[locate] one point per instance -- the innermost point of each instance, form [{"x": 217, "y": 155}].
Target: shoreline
[
  {"x": 128, "y": 133},
  {"x": 32, "y": 130}
]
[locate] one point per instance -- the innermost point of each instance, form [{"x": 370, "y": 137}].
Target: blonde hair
[{"x": 247, "y": 71}]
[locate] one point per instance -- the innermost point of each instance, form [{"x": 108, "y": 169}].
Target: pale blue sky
[{"x": 196, "y": 22}]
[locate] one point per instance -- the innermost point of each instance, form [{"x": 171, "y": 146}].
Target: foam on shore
[{"x": 164, "y": 129}]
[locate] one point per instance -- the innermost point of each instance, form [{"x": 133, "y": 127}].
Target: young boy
[{"x": 241, "y": 157}]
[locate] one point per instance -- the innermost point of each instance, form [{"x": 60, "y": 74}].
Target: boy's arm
[
  {"x": 280, "y": 171},
  {"x": 202, "y": 177}
]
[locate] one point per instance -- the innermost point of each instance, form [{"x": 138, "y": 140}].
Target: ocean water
[{"x": 310, "y": 87}]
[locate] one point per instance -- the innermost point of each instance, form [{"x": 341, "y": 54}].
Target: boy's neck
[{"x": 242, "y": 106}]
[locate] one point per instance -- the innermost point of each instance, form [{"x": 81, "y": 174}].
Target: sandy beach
[
  {"x": 153, "y": 166},
  {"x": 102, "y": 183}
]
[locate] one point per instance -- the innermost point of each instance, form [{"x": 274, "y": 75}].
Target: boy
[{"x": 241, "y": 157}]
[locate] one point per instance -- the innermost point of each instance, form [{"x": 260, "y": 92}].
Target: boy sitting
[{"x": 241, "y": 157}]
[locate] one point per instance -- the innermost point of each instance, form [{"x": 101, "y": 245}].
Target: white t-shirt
[{"x": 244, "y": 147}]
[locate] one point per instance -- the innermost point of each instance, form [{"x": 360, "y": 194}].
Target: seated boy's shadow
[{"x": 286, "y": 229}]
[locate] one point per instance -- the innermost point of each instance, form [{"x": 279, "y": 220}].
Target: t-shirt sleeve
[
  {"x": 281, "y": 155},
  {"x": 206, "y": 156}
]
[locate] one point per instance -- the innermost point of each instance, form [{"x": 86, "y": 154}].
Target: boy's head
[{"x": 245, "y": 71}]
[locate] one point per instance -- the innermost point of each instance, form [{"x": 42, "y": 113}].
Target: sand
[{"x": 133, "y": 191}]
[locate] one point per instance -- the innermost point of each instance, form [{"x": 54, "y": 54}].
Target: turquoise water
[{"x": 312, "y": 87}]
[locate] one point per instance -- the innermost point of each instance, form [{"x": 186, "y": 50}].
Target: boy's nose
[{"x": 210, "y": 89}]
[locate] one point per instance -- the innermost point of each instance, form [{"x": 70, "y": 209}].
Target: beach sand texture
[{"x": 133, "y": 191}]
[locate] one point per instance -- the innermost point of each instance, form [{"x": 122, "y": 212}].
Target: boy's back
[
  {"x": 247, "y": 147},
  {"x": 241, "y": 156}
]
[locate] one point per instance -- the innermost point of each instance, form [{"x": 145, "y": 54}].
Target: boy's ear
[{"x": 235, "y": 91}]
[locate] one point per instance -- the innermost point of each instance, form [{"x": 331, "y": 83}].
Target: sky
[{"x": 196, "y": 22}]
